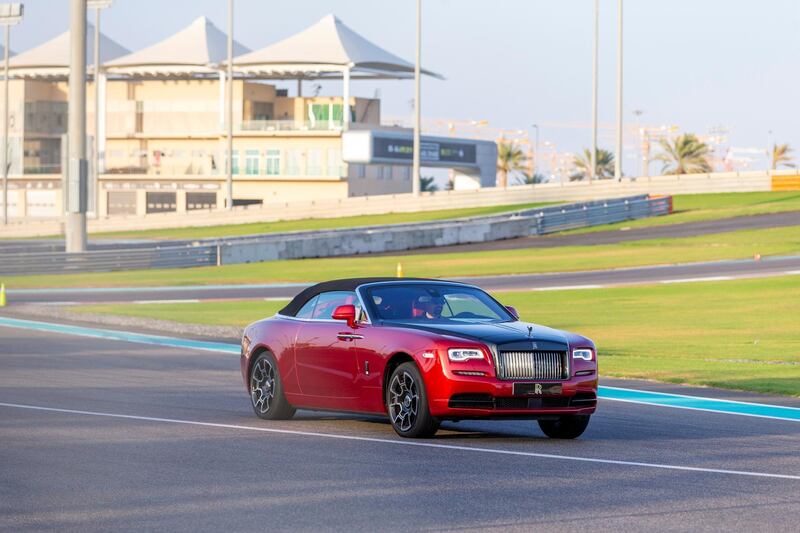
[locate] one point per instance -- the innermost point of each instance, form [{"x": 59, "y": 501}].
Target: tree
[
  {"x": 684, "y": 155},
  {"x": 426, "y": 184},
  {"x": 780, "y": 156},
  {"x": 526, "y": 179},
  {"x": 604, "y": 164},
  {"x": 511, "y": 160}
]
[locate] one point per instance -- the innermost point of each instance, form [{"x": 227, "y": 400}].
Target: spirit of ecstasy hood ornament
[{"x": 530, "y": 332}]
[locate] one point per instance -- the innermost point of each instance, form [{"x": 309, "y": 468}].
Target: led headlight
[
  {"x": 464, "y": 354},
  {"x": 582, "y": 353}
]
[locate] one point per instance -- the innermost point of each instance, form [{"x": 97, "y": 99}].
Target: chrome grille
[{"x": 536, "y": 364}]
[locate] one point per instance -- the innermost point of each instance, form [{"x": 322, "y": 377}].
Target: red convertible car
[{"x": 420, "y": 351}]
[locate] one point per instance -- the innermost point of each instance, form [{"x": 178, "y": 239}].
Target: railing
[
  {"x": 331, "y": 243},
  {"x": 108, "y": 260}
]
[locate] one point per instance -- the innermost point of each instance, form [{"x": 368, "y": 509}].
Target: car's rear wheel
[
  {"x": 266, "y": 390},
  {"x": 407, "y": 403},
  {"x": 565, "y": 427}
]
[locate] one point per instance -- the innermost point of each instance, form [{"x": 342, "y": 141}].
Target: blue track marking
[
  {"x": 700, "y": 403},
  {"x": 140, "y": 338},
  {"x": 660, "y": 399}
]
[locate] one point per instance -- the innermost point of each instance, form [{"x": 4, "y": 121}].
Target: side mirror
[
  {"x": 513, "y": 311},
  {"x": 346, "y": 312}
]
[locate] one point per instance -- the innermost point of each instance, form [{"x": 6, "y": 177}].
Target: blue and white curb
[{"x": 659, "y": 399}]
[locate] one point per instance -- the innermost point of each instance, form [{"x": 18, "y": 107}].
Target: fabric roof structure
[
  {"x": 199, "y": 48},
  {"x": 325, "y": 50},
  {"x": 51, "y": 58}
]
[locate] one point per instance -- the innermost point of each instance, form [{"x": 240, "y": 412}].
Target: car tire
[
  {"x": 266, "y": 390},
  {"x": 565, "y": 427},
  {"x": 407, "y": 403}
]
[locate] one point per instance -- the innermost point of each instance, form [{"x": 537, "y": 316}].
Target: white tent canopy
[
  {"x": 51, "y": 58},
  {"x": 325, "y": 50},
  {"x": 199, "y": 48}
]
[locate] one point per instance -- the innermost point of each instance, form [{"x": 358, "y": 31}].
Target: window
[
  {"x": 293, "y": 162},
  {"x": 314, "y": 166},
  {"x": 387, "y": 172},
  {"x": 334, "y": 162},
  {"x": 329, "y": 301},
  {"x": 308, "y": 309},
  {"x": 251, "y": 162},
  {"x": 234, "y": 162},
  {"x": 437, "y": 303},
  {"x": 273, "y": 162}
]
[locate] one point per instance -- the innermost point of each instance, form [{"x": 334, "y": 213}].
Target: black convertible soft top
[{"x": 349, "y": 284}]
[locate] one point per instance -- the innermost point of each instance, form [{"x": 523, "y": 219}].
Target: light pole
[
  {"x": 415, "y": 185},
  {"x": 593, "y": 154},
  {"x": 75, "y": 231},
  {"x": 618, "y": 156},
  {"x": 536, "y": 149},
  {"x": 229, "y": 112},
  {"x": 97, "y": 5},
  {"x": 10, "y": 14}
]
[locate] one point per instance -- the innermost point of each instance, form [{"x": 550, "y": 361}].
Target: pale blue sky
[{"x": 694, "y": 63}]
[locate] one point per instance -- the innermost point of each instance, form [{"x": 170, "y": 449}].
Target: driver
[{"x": 432, "y": 306}]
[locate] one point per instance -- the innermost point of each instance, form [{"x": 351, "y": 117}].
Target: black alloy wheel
[
  {"x": 266, "y": 390},
  {"x": 407, "y": 403}
]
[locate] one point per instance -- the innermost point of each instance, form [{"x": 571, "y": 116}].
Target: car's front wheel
[
  {"x": 266, "y": 390},
  {"x": 565, "y": 427},
  {"x": 407, "y": 403}
]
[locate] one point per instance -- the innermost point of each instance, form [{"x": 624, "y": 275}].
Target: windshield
[{"x": 435, "y": 303}]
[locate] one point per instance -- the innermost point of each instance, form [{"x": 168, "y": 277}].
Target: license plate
[{"x": 537, "y": 389}]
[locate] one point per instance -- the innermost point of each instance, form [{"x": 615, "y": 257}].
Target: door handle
[{"x": 348, "y": 336}]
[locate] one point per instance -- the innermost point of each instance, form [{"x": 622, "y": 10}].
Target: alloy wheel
[
  {"x": 262, "y": 385},
  {"x": 403, "y": 401}
]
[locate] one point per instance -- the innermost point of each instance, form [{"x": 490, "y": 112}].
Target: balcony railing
[{"x": 291, "y": 125}]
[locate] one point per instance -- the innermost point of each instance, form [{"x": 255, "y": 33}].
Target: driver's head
[{"x": 432, "y": 306}]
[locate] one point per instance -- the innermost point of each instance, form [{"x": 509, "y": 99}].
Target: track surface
[
  {"x": 772, "y": 266},
  {"x": 74, "y": 471}
]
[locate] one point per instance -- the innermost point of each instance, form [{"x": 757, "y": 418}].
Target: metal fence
[{"x": 331, "y": 243}]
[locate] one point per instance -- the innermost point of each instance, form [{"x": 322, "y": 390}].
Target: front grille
[{"x": 537, "y": 364}]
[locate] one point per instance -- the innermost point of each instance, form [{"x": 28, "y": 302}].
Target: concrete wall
[{"x": 339, "y": 206}]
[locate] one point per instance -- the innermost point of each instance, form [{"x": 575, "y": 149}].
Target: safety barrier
[{"x": 340, "y": 242}]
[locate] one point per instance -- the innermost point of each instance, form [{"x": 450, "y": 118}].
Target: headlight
[
  {"x": 583, "y": 353},
  {"x": 464, "y": 354}
]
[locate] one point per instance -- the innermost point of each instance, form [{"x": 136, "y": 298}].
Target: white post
[
  {"x": 346, "y": 99},
  {"x": 229, "y": 110},
  {"x": 96, "y": 141},
  {"x": 4, "y": 157},
  {"x": 618, "y": 155},
  {"x": 415, "y": 184},
  {"x": 593, "y": 154},
  {"x": 75, "y": 231}
]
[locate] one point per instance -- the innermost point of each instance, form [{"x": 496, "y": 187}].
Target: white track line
[
  {"x": 187, "y": 301},
  {"x": 423, "y": 444},
  {"x": 567, "y": 287},
  {"x": 693, "y": 280}
]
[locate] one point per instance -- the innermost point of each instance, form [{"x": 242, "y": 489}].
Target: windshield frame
[{"x": 375, "y": 317}]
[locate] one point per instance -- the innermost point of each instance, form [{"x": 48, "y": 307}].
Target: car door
[{"x": 325, "y": 354}]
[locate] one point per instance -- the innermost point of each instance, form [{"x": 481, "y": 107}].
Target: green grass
[
  {"x": 731, "y": 245},
  {"x": 235, "y": 230},
  {"x": 702, "y": 207},
  {"x": 733, "y": 334}
]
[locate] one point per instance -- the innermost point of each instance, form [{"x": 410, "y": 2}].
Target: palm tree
[
  {"x": 780, "y": 156},
  {"x": 685, "y": 155},
  {"x": 426, "y": 184},
  {"x": 510, "y": 160},
  {"x": 526, "y": 179},
  {"x": 604, "y": 164}
]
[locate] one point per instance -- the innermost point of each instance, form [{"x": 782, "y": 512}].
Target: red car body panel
[{"x": 324, "y": 364}]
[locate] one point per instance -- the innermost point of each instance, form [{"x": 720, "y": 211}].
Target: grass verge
[
  {"x": 734, "y": 334},
  {"x": 731, "y": 245}
]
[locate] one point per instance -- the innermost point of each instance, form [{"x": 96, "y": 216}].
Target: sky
[{"x": 695, "y": 64}]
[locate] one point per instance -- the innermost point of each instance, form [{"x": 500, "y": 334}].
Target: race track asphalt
[
  {"x": 716, "y": 270},
  {"x": 141, "y": 437}
]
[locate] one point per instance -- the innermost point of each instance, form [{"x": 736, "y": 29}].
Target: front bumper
[{"x": 453, "y": 396}]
